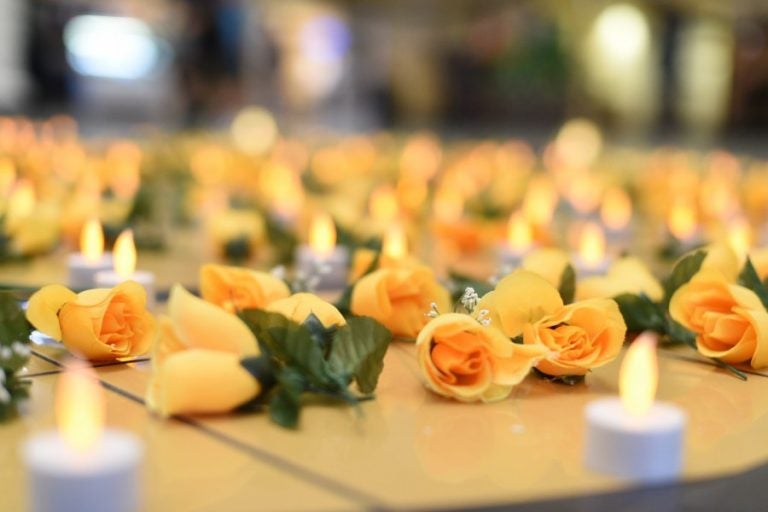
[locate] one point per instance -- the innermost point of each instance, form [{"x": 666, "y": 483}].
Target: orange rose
[
  {"x": 729, "y": 320},
  {"x": 399, "y": 298},
  {"x": 100, "y": 324},
  {"x": 463, "y": 359},
  {"x": 237, "y": 288},
  {"x": 580, "y": 336}
]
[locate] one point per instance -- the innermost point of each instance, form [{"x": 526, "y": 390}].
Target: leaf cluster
[
  {"x": 14, "y": 354},
  {"x": 299, "y": 360}
]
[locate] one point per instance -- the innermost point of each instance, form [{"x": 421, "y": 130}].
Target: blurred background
[{"x": 691, "y": 70}]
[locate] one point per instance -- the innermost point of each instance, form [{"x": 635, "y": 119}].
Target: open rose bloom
[
  {"x": 461, "y": 358},
  {"x": 100, "y": 324},
  {"x": 236, "y": 288},
  {"x": 729, "y": 321},
  {"x": 578, "y": 336}
]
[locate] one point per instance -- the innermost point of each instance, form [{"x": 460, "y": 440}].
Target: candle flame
[
  {"x": 125, "y": 254},
  {"x": 616, "y": 210},
  {"x": 682, "y": 220},
  {"x": 80, "y": 406},
  {"x": 519, "y": 233},
  {"x": 322, "y": 235},
  {"x": 92, "y": 241},
  {"x": 592, "y": 245},
  {"x": 639, "y": 375},
  {"x": 395, "y": 245},
  {"x": 540, "y": 201}
]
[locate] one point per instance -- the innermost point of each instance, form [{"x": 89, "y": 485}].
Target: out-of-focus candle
[
  {"x": 740, "y": 236},
  {"x": 591, "y": 259},
  {"x": 383, "y": 205},
  {"x": 635, "y": 437},
  {"x": 519, "y": 240},
  {"x": 84, "y": 265},
  {"x": 124, "y": 268},
  {"x": 616, "y": 210},
  {"x": 395, "y": 244},
  {"x": 540, "y": 201},
  {"x": 322, "y": 261},
  {"x": 682, "y": 222},
  {"x": 82, "y": 466}
]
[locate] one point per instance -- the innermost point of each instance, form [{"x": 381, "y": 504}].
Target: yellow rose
[
  {"x": 520, "y": 298},
  {"x": 237, "y": 288},
  {"x": 722, "y": 257},
  {"x": 362, "y": 260},
  {"x": 627, "y": 275},
  {"x": 299, "y": 306},
  {"x": 580, "y": 336},
  {"x": 399, "y": 298},
  {"x": 196, "y": 359},
  {"x": 100, "y": 324},
  {"x": 729, "y": 320},
  {"x": 463, "y": 359},
  {"x": 549, "y": 263}
]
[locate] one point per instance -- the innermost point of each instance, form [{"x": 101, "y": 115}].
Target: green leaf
[
  {"x": 285, "y": 405},
  {"x": 320, "y": 334},
  {"x": 749, "y": 279},
  {"x": 679, "y": 334},
  {"x": 640, "y": 313},
  {"x": 567, "y": 289},
  {"x": 683, "y": 271},
  {"x": 358, "y": 350},
  {"x": 261, "y": 368},
  {"x": 568, "y": 380},
  {"x": 460, "y": 282}
]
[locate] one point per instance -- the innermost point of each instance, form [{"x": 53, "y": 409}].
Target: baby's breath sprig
[
  {"x": 14, "y": 354},
  {"x": 433, "y": 311},
  {"x": 483, "y": 317},
  {"x": 308, "y": 281},
  {"x": 470, "y": 299}
]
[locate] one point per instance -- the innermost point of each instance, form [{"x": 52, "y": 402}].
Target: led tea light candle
[
  {"x": 322, "y": 260},
  {"x": 82, "y": 466},
  {"x": 84, "y": 265},
  {"x": 519, "y": 241},
  {"x": 634, "y": 437},
  {"x": 394, "y": 247},
  {"x": 125, "y": 268},
  {"x": 616, "y": 215},
  {"x": 740, "y": 237},
  {"x": 591, "y": 259}
]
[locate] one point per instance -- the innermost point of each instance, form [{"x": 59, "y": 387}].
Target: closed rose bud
[
  {"x": 627, "y": 275},
  {"x": 299, "y": 306},
  {"x": 236, "y": 288}
]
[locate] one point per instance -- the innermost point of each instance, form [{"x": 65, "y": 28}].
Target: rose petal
[{"x": 44, "y": 306}]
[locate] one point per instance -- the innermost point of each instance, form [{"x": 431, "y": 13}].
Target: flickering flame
[
  {"x": 80, "y": 407},
  {"x": 682, "y": 220},
  {"x": 639, "y": 375},
  {"x": 740, "y": 236},
  {"x": 125, "y": 254},
  {"x": 519, "y": 233},
  {"x": 616, "y": 210},
  {"x": 592, "y": 245},
  {"x": 540, "y": 201},
  {"x": 448, "y": 204},
  {"x": 92, "y": 241},
  {"x": 383, "y": 204},
  {"x": 395, "y": 245},
  {"x": 322, "y": 235}
]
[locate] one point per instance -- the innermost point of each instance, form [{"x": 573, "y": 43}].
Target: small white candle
[
  {"x": 519, "y": 241},
  {"x": 634, "y": 437},
  {"x": 125, "y": 269},
  {"x": 82, "y": 466},
  {"x": 84, "y": 265},
  {"x": 322, "y": 260}
]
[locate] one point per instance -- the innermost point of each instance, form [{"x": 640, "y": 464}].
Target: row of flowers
[{"x": 249, "y": 342}]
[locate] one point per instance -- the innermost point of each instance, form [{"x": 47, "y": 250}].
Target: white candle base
[
  {"x": 82, "y": 272},
  {"x": 110, "y": 279},
  {"x": 105, "y": 479},
  {"x": 335, "y": 264},
  {"x": 644, "y": 449}
]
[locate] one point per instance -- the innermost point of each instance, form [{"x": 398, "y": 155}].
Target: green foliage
[
  {"x": 748, "y": 278},
  {"x": 640, "y": 313},
  {"x": 310, "y": 358},
  {"x": 567, "y": 288},
  {"x": 14, "y": 354},
  {"x": 568, "y": 380},
  {"x": 682, "y": 272},
  {"x": 460, "y": 282}
]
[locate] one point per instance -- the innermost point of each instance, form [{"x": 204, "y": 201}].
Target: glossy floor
[{"x": 406, "y": 449}]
